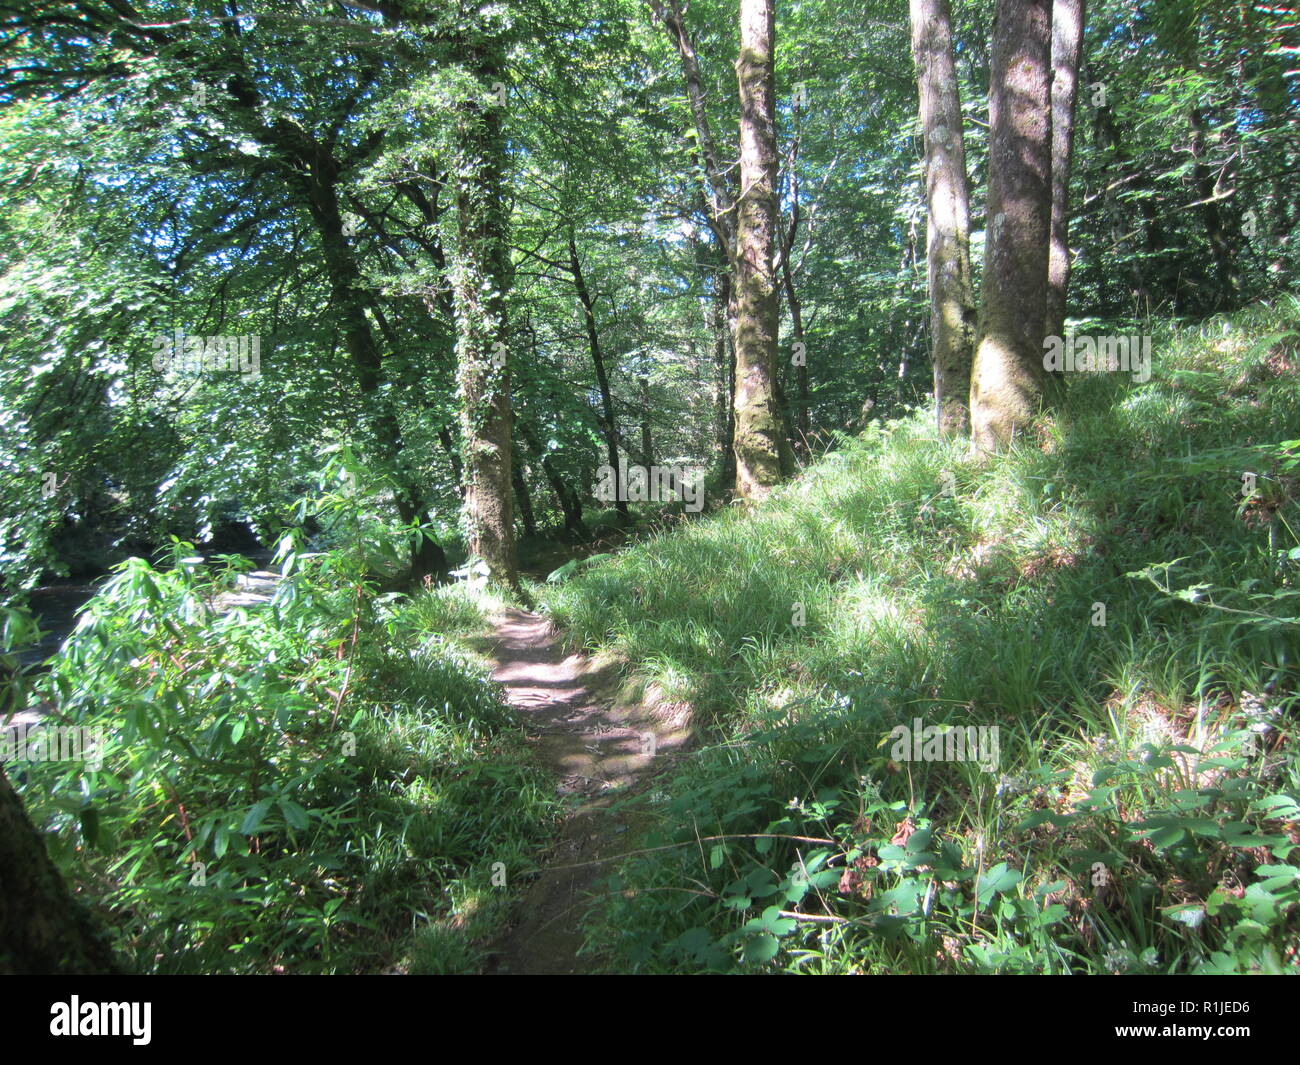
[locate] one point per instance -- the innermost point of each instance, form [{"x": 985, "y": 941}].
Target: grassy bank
[{"x": 1118, "y": 602}]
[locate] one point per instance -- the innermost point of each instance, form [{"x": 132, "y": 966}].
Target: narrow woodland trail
[{"x": 599, "y": 749}]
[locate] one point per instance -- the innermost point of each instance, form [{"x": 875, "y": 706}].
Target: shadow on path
[{"x": 600, "y": 748}]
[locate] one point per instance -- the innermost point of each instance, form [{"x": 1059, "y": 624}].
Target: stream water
[{"x": 57, "y": 604}]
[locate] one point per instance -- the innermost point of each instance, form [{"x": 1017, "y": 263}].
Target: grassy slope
[{"x": 963, "y": 596}]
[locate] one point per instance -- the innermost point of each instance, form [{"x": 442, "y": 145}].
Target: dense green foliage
[
  {"x": 172, "y": 178},
  {"x": 323, "y": 778},
  {"x": 296, "y": 783}
]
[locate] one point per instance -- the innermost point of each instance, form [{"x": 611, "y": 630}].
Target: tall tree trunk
[
  {"x": 347, "y": 298},
  {"x": 952, "y": 298},
  {"x": 570, "y": 504},
  {"x": 522, "y": 498},
  {"x": 799, "y": 353},
  {"x": 798, "y": 348},
  {"x": 1008, "y": 376},
  {"x": 1067, "y": 46},
  {"x": 712, "y": 265},
  {"x": 760, "y": 433},
  {"x": 568, "y": 499},
  {"x": 719, "y": 211},
  {"x": 602, "y": 378},
  {"x": 647, "y": 453},
  {"x": 729, "y": 379},
  {"x": 481, "y": 278},
  {"x": 1223, "y": 248},
  {"x": 43, "y": 928},
  {"x": 718, "y": 188}
]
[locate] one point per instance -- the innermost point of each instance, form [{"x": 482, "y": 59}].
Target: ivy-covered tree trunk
[
  {"x": 43, "y": 929},
  {"x": 1007, "y": 378},
  {"x": 1067, "y": 45},
  {"x": 760, "y": 431},
  {"x": 480, "y": 279},
  {"x": 952, "y": 298}
]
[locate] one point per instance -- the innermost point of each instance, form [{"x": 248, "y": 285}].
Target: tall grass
[{"x": 1105, "y": 593}]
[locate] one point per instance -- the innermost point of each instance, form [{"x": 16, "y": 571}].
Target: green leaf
[
  {"x": 294, "y": 814},
  {"x": 772, "y": 922},
  {"x": 760, "y": 948},
  {"x": 995, "y": 881},
  {"x": 254, "y": 820},
  {"x": 221, "y": 841},
  {"x": 1280, "y": 806}
]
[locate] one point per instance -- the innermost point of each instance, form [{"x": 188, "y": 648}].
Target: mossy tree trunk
[
  {"x": 952, "y": 298},
  {"x": 1067, "y": 46},
  {"x": 43, "y": 929},
  {"x": 481, "y": 275},
  {"x": 760, "y": 441},
  {"x": 1007, "y": 378}
]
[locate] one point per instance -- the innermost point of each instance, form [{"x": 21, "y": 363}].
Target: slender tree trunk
[
  {"x": 43, "y": 928},
  {"x": 719, "y": 211},
  {"x": 647, "y": 453},
  {"x": 565, "y": 496},
  {"x": 798, "y": 348},
  {"x": 729, "y": 379},
  {"x": 1222, "y": 245},
  {"x": 760, "y": 433},
  {"x": 522, "y": 498},
  {"x": 481, "y": 278},
  {"x": 799, "y": 353},
  {"x": 347, "y": 298},
  {"x": 952, "y": 298},
  {"x": 1007, "y": 378},
  {"x": 602, "y": 378},
  {"x": 718, "y": 189},
  {"x": 1067, "y": 46},
  {"x": 712, "y": 264}
]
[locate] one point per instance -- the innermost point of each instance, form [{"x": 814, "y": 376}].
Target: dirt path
[{"x": 600, "y": 749}]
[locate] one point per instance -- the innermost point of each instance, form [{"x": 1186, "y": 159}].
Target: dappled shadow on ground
[{"x": 601, "y": 750}]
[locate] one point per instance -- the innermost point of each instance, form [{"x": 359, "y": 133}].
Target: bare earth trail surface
[{"x": 601, "y": 749}]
